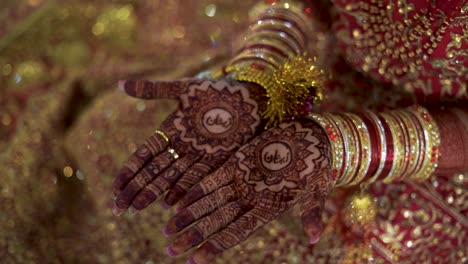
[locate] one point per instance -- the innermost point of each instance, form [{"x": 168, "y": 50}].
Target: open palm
[
  {"x": 215, "y": 118},
  {"x": 262, "y": 180}
]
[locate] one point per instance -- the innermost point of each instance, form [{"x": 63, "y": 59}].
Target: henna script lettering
[
  {"x": 276, "y": 156},
  {"x": 217, "y": 120}
]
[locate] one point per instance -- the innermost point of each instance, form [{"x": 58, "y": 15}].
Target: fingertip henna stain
[
  {"x": 117, "y": 211},
  {"x": 122, "y": 179},
  {"x": 166, "y": 232},
  {"x": 143, "y": 199},
  {"x": 126, "y": 196},
  {"x": 179, "y": 221},
  {"x": 170, "y": 252},
  {"x": 128, "y": 86},
  {"x": 164, "y": 205},
  {"x": 186, "y": 241},
  {"x": 174, "y": 195},
  {"x": 132, "y": 210},
  {"x": 206, "y": 253}
]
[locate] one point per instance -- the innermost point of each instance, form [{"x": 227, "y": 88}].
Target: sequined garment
[
  {"x": 417, "y": 45},
  {"x": 64, "y": 135}
]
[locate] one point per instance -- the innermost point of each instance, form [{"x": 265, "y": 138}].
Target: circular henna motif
[
  {"x": 217, "y": 120},
  {"x": 276, "y": 156},
  {"x": 216, "y": 115},
  {"x": 276, "y": 160}
]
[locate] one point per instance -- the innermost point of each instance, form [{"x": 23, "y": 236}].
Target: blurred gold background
[{"x": 65, "y": 129}]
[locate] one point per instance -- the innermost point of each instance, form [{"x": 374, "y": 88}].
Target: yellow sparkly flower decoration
[{"x": 288, "y": 89}]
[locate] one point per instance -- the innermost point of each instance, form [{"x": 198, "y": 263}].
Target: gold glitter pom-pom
[
  {"x": 288, "y": 89},
  {"x": 298, "y": 79}
]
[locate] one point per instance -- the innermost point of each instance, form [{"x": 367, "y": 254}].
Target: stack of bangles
[
  {"x": 391, "y": 146},
  {"x": 273, "y": 55},
  {"x": 367, "y": 147}
]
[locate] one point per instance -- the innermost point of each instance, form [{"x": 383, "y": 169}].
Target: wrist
[
  {"x": 391, "y": 146},
  {"x": 453, "y": 125},
  {"x": 273, "y": 56}
]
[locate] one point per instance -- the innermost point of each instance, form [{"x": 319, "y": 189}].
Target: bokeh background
[{"x": 65, "y": 129}]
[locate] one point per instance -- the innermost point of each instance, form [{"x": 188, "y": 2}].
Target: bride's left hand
[{"x": 262, "y": 180}]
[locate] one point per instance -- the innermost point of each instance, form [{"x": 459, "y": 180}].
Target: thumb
[
  {"x": 311, "y": 217},
  {"x": 154, "y": 89}
]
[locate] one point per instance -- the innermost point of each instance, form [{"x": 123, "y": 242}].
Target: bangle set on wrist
[
  {"x": 366, "y": 147},
  {"x": 392, "y": 146},
  {"x": 274, "y": 56}
]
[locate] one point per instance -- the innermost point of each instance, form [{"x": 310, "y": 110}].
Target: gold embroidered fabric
[{"x": 419, "y": 46}]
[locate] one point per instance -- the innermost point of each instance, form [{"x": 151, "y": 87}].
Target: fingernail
[
  {"x": 170, "y": 252},
  {"x": 121, "y": 86},
  {"x": 117, "y": 211},
  {"x": 169, "y": 200},
  {"x": 313, "y": 240},
  {"x": 191, "y": 261},
  {"x": 132, "y": 210},
  {"x": 166, "y": 232},
  {"x": 164, "y": 205}
]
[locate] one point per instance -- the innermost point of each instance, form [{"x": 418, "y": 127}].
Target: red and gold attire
[
  {"x": 419, "y": 47},
  {"x": 378, "y": 54}
]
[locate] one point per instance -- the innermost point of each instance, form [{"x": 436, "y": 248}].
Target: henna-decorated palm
[
  {"x": 262, "y": 180},
  {"x": 214, "y": 119}
]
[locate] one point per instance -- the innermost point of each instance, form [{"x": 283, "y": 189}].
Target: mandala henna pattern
[
  {"x": 215, "y": 118},
  {"x": 279, "y": 163},
  {"x": 260, "y": 182}
]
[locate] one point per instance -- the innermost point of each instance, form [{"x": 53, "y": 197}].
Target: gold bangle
[
  {"x": 421, "y": 143},
  {"x": 336, "y": 142},
  {"x": 271, "y": 34},
  {"x": 405, "y": 144},
  {"x": 398, "y": 147},
  {"x": 274, "y": 59},
  {"x": 365, "y": 151},
  {"x": 432, "y": 140},
  {"x": 414, "y": 143},
  {"x": 350, "y": 150},
  {"x": 162, "y": 134},
  {"x": 355, "y": 146},
  {"x": 267, "y": 39},
  {"x": 383, "y": 143}
]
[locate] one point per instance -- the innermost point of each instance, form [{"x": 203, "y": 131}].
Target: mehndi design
[
  {"x": 261, "y": 181},
  {"x": 215, "y": 117}
]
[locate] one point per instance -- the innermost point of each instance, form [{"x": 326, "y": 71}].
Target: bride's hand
[
  {"x": 214, "y": 118},
  {"x": 262, "y": 180}
]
